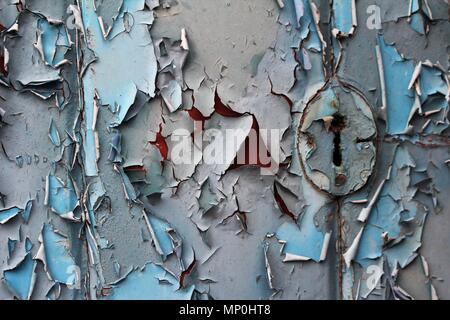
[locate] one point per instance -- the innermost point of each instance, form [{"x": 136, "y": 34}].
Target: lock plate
[{"x": 337, "y": 139}]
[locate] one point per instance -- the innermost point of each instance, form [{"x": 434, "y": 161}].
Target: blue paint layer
[
  {"x": 160, "y": 229},
  {"x": 59, "y": 262},
  {"x": 62, "y": 198},
  {"x": 53, "y": 134},
  {"x": 20, "y": 280},
  {"x": 397, "y": 75},
  {"x": 11, "y": 247},
  {"x": 55, "y": 42},
  {"x": 27, "y": 211},
  {"x": 8, "y": 214},
  {"x": 306, "y": 24},
  {"x": 305, "y": 242},
  {"x": 152, "y": 283},
  {"x": 343, "y": 15},
  {"x": 416, "y": 20}
]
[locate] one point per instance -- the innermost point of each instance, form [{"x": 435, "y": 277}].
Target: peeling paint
[{"x": 152, "y": 148}]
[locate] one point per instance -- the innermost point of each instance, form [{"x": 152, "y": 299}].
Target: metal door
[{"x": 212, "y": 149}]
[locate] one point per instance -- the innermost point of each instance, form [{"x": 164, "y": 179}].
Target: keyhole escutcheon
[{"x": 337, "y": 139}]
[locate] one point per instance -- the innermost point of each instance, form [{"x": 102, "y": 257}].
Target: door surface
[{"x": 211, "y": 149}]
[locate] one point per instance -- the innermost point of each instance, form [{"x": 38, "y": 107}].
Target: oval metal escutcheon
[{"x": 337, "y": 139}]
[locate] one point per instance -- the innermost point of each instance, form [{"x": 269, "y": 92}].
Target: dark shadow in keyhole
[{"x": 337, "y": 125}]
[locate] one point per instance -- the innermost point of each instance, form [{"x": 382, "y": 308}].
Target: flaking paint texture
[{"x": 95, "y": 205}]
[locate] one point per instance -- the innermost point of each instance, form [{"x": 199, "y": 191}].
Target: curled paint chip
[
  {"x": 164, "y": 236},
  {"x": 399, "y": 97},
  {"x": 61, "y": 197},
  {"x": 153, "y": 282},
  {"x": 8, "y": 213},
  {"x": 21, "y": 279},
  {"x": 302, "y": 245},
  {"x": 53, "y": 42},
  {"x": 344, "y": 14},
  {"x": 53, "y": 134},
  {"x": 27, "y": 211},
  {"x": 54, "y": 252}
]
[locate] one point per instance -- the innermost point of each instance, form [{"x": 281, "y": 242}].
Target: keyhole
[
  {"x": 347, "y": 163},
  {"x": 337, "y": 125}
]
